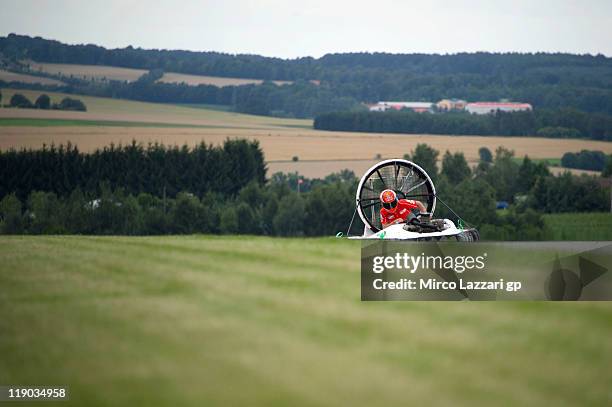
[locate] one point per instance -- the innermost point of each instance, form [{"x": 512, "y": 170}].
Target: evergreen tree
[
  {"x": 504, "y": 175},
  {"x": 528, "y": 174}
]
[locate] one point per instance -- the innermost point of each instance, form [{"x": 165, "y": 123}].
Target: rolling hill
[{"x": 108, "y": 73}]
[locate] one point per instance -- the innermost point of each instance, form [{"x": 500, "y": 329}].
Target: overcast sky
[{"x": 286, "y": 28}]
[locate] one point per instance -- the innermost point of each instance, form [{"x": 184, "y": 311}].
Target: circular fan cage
[{"x": 408, "y": 180}]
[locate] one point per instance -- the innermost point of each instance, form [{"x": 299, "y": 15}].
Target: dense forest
[
  {"x": 561, "y": 123},
  {"x": 156, "y": 190},
  {"x": 154, "y": 169},
  {"x": 551, "y": 81}
]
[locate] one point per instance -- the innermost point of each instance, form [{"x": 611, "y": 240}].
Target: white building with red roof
[{"x": 492, "y": 107}]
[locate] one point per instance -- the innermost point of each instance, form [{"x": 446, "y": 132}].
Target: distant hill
[{"x": 545, "y": 80}]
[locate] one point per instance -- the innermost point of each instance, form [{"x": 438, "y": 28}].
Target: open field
[
  {"x": 579, "y": 226},
  {"x": 574, "y": 171},
  {"x": 7, "y": 76},
  {"x": 258, "y": 321},
  {"x": 549, "y": 161},
  {"x": 106, "y": 109},
  {"x": 98, "y": 72},
  {"x": 194, "y": 80},
  {"x": 319, "y": 152},
  {"x": 103, "y": 72}
]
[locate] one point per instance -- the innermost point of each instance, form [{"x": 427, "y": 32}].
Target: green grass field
[
  {"x": 200, "y": 320},
  {"x": 579, "y": 226}
]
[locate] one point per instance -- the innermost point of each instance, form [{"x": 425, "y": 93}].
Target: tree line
[
  {"x": 528, "y": 187},
  {"x": 591, "y": 160},
  {"x": 561, "y": 123},
  {"x": 44, "y": 102},
  {"x": 271, "y": 209},
  {"x": 551, "y": 81},
  {"x": 300, "y": 99},
  {"x": 155, "y": 169},
  {"x": 159, "y": 190}
]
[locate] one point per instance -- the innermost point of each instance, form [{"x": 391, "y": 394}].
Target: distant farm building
[
  {"x": 419, "y": 107},
  {"x": 492, "y": 107},
  {"x": 451, "y": 104}
]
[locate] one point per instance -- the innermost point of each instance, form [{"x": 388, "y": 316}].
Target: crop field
[
  {"x": 579, "y": 226},
  {"x": 574, "y": 171},
  {"x": 106, "y": 109},
  {"x": 199, "y": 320},
  {"x": 104, "y": 72},
  {"x": 318, "y": 152},
  {"x": 194, "y": 80},
  {"x": 97, "y": 72},
  {"x": 7, "y": 76}
]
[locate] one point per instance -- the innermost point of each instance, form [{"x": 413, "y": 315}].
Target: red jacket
[{"x": 401, "y": 211}]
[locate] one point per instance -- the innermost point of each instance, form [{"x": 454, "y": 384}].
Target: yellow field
[
  {"x": 319, "y": 152},
  {"x": 102, "y": 109},
  {"x": 98, "y": 72},
  {"x": 103, "y": 72},
  {"x": 172, "y": 77},
  {"x": 17, "y": 77}
]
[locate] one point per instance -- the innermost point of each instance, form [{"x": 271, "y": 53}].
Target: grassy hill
[
  {"x": 200, "y": 320},
  {"x": 107, "y": 109}
]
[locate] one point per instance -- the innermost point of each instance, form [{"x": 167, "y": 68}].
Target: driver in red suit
[{"x": 396, "y": 211}]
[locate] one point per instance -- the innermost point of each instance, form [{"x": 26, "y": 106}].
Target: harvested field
[
  {"x": 281, "y": 139},
  {"x": 574, "y": 171},
  {"x": 98, "y": 72},
  {"x": 338, "y": 150},
  {"x": 102, "y": 109},
  {"x": 104, "y": 72},
  {"x": 194, "y": 80},
  {"x": 319, "y": 168},
  {"x": 7, "y": 76}
]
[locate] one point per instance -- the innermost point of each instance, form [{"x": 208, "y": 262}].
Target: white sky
[{"x": 300, "y": 28}]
